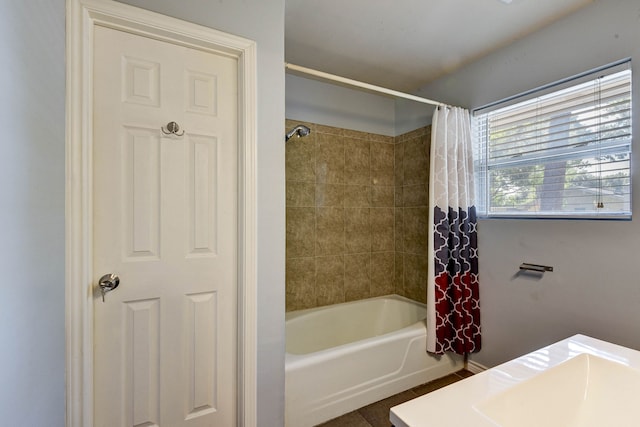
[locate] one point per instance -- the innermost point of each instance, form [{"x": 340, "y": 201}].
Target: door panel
[
  {"x": 202, "y": 203},
  {"x": 165, "y": 221},
  {"x": 141, "y": 194}
]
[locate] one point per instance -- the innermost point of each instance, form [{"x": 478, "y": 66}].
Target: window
[{"x": 562, "y": 151}]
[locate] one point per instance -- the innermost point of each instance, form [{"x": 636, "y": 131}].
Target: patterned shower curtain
[{"x": 453, "y": 305}]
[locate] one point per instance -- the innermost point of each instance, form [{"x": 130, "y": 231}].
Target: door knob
[{"x": 107, "y": 283}]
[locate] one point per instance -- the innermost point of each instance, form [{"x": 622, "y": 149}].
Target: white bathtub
[{"x": 345, "y": 356}]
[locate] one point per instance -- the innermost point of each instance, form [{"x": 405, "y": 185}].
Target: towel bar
[{"x": 535, "y": 267}]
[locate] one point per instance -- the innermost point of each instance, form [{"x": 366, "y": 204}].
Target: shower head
[{"x": 300, "y": 130}]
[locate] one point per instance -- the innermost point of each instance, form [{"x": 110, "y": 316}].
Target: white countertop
[{"x": 457, "y": 405}]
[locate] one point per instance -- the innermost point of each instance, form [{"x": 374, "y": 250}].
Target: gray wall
[
  {"x": 314, "y": 101},
  {"x": 595, "y": 288},
  {"x": 32, "y": 79},
  {"x": 263, "y": 22},
  {"x": 411, "y": 115}
]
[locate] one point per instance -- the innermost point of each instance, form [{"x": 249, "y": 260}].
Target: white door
[{"x": 165, "y": 222}]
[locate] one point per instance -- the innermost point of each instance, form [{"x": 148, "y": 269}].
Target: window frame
[{"x": 483, "y": 165}]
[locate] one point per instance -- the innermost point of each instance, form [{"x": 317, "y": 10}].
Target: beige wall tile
[
  {"x": 329, "y": 195},
  {"x": 415, "y": 162},
  {"x": 300, "y": 194},
  {"x": 301, "y": 232},
  {"x": 300, "y": 159},
  {"x": 398, "y": 200},
  {"x": 374, "y": 137},
  {"x": 382, "y": 161},
  {"x": 382, "y": 273},
  {"x": 382, "y": 195},
  {"x": 357, "y": 196},
  {"x": 426, "y": 143},
  {"x": 329, "y": 280},
  {"x": 398, "y": 273},
  {"x": 398, "y": 229},
  {"x": 417, "y": 294},
  {"x": 416, "y": 133},
  {"x": 415, "y": 277},
  {"x": 415, "y": 195},
  {"x": 349, "y": 133},
  {"x": 329, "y": 159},
  {"x": 329, "y": 231},
  {"x": 415, "y": 230},
  {"x": 301, "y": 283},
  {"x": 357, "y": 230},
  {"x": 398, "y": 158},
  {"x": 357, "y": 276},
  {"x": 357, "y": 161},
  {"x": 366, "y": 235},
  {"x": 382, "y": 221}
]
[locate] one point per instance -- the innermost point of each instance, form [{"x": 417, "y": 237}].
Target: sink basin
[{"x": 585, "y": 391}]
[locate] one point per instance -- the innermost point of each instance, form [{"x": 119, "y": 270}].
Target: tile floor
[{"x": 377, "y": 414}]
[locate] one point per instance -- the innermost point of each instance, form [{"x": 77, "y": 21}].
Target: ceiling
[{"x": 404, "y": 44}]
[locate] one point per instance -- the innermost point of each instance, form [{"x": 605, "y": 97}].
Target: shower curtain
[{"x": 453, "y": 305}]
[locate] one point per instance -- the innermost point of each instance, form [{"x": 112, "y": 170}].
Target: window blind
[{"x": 563, "y": 151}]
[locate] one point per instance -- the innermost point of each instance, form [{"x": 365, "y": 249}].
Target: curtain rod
[{"x": 362, "y": 85}]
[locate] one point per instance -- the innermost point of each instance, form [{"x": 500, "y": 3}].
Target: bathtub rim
[
  {"x": 290, "y": 315},
  {"x": 297, "y": 361}
]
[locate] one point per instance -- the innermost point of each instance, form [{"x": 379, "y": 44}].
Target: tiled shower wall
[
  {"x": 355, "y": 217},
  {"x": 411, "y": 212}
]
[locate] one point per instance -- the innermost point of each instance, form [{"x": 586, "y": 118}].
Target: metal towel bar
[{"x": 535, "y": 267}]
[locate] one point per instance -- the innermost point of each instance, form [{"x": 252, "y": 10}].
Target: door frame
[{"x": 82, "y": 16}]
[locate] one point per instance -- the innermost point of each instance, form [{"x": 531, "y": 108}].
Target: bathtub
[{"x": 345, "y": 356}]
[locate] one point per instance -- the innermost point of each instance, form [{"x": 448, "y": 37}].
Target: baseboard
[{"x": 474, "y": 367}]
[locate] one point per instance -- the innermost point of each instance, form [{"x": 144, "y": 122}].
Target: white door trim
[{"x": 82, "y": 17}]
